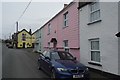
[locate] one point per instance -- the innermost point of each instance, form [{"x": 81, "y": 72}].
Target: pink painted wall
[{"x": 70, "y": 33}]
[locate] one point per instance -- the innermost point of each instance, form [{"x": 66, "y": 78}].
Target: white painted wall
[
  {"x": 105, "y": 30},
  {"x": 39, "y": 40}
]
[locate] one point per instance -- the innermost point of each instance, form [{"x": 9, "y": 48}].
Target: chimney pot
[{"x": 65, "y": 5}]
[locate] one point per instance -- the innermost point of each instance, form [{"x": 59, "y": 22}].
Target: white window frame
[
  {"x": 66, "y": 47},
  {"x": 65, "y": 19},
  {"x": 94, "y": 11},
  {"x": 40, "y": 34},
  {"x": 90, "y": 40}
]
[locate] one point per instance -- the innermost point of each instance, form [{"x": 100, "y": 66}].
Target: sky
[{"x": 36, "y": 15}]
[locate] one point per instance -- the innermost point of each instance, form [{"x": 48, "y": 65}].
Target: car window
[
  {"x": 47, "y": 54},
  {"x": 55, "y": 55},
  {"x": 44, "y": 53},
  {"x": 61, "y": 55},
  {"x": 65, "y": 55}
]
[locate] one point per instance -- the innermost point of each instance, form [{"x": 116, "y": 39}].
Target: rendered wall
[{"x": 105, "y": 31}]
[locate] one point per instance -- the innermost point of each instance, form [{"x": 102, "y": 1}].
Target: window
[
  {"x": 49, "y": 28},
  {"x": 61, "y": 55},
  {"x": 66, "y": 45},
  {"x": 47, "y": 54},
  {"x": 94, "y": 12},
  {"x": 40, "y": 46},
  {"x": 95, "y": 50},
  {"x": 24, "y": 37},
  {"x": 48, "y": 44},
  {"x": 44, "y": 53},
  {"x": 66, "y": 19},
  {"x": 40, "y": 35}
]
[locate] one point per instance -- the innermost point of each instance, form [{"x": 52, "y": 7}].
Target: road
[{"x": 20, "y": 63}]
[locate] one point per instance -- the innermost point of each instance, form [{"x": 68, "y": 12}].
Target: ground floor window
[
  {"x": 66, "y": 49},
  {"x": 40, "y": 46},
  {"x": 65, "y": 44},
  {"x": 95, "y": 50}
]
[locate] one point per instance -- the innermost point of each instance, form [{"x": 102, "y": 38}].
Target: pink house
[{"x": 63, "y": 30}]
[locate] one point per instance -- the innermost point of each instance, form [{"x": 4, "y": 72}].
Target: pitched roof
[{"x": 23, "y": 30}]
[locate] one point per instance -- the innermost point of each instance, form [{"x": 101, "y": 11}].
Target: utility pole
[{"x": 17, "y": 25}]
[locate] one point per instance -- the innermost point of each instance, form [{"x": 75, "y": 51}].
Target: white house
[
  {"x": 98, "y": 23},
  {"x": 39, "y": 40}
]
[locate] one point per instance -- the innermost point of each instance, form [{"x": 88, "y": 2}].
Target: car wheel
[{"x": 53, "y": 75}]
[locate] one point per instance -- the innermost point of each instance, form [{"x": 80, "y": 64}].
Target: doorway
[{"x": 23, "y": 45}]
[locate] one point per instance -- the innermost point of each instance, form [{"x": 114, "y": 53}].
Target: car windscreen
[{"x": 61, "y": 55}]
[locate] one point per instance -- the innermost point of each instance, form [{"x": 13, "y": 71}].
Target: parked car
[
  {"x": 7, "y": 44},
  {"x": 10, "y": 46},
  {"x": 61, "y": 64}
]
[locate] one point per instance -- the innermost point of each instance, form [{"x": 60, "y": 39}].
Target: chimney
[
  {"x": 65, "y": 5},
  {"x": 30, "y": 31}
]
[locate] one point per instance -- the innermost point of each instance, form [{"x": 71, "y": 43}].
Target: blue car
[{"x": 61, "y": 64}]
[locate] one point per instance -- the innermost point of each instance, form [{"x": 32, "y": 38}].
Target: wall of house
[
  {"x": 105, "y": 31},
  {"x": 42, "y": 39},
  {"x": 70, "y": 33},
  {"x": 39, "y": 40},
  {"x": 28, "y": 40},
  {"x": 119, "y": 38},
  {"x": 33, "y": 38},
  {"x": 36, "y": 41}
]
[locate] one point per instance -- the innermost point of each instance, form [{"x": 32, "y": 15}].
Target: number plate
[{"x": 78, "y": 76}]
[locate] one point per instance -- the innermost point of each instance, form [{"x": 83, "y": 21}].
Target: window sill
[
  {"x": 95, "y": 63},
  {"x": 65, "y": 27},
  {"x": 48, "y": 34},
  {"x": 94, "y": 22}
]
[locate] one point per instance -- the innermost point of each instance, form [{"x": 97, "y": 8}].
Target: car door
[
  {"x": 42, "y": 59},
  {"x": 47, "y": 62}
]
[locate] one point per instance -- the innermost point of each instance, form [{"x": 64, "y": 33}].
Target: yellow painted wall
[
  {"x": 33, "y": 38},
  {"x": 28, "y": 40}
]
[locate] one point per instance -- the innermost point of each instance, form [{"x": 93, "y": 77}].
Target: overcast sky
[{"x": 37, "y": 14}]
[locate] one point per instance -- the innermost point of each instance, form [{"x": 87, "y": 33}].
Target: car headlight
[
  {"x": 62, "y": 69},
  {"x": 86, "y": 70}
]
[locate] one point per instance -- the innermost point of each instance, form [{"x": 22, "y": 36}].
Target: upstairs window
[
  {"x": 40, "y": 35},
  {"x": 66, "y": 19},
  {"x": 49, "y": 29},
  {"x": 23, "y": 37},
  {"x": 94, "y": 12}
]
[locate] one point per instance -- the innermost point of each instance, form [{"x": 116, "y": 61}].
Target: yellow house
[
  {"x": 24, "y": 39},
  {"x": 33, "y": 40}
]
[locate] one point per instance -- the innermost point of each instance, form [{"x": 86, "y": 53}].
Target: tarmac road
[{"x": 19, "y": 63}]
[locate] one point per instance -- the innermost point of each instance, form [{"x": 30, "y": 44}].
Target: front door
[{"x": 23, "y": 45}]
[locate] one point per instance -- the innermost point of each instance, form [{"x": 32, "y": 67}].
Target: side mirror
[
  {"x": 47, "y": 58},
  {"x": 74, "y": 58}
]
